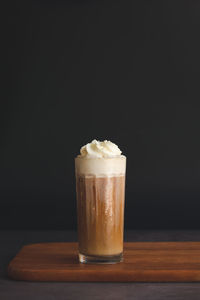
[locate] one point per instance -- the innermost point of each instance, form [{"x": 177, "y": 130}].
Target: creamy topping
[
  {"x": 100, "y": 166},
  {"x": 100, "y": 149},
  {"x": 100, "y": 159}
]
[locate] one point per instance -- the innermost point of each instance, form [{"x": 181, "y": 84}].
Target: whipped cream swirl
[{"x": 100, "y": 149}]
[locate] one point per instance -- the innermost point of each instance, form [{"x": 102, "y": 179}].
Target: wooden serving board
[{"x": 143, "y": 261}]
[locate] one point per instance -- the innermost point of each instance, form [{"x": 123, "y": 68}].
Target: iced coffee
[{"x": 100, "y": 187}]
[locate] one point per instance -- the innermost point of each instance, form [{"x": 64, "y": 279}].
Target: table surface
[{"x": 12, "y": 241}]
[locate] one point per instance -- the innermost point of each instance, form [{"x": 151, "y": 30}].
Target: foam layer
[{"x": 100, "y": 167}]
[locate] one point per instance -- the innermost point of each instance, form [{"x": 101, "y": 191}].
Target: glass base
[{"x": 107, "y": 259}]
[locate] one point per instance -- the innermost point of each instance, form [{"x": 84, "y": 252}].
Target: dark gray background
[{"x": 128, "y": 71}]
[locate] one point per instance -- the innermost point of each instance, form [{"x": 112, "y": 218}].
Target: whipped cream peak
[{"x": 100, "y": 149}]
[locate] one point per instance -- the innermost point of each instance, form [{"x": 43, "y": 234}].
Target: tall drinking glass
[{"x": 100, "y": 189}]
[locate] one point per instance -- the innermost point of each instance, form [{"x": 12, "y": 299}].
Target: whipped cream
[
  {"x": 100, "y": 159},
  {"x": 100, "y": 149}
]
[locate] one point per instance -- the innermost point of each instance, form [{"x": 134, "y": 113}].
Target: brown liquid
[{"x": 100, "y": 203}]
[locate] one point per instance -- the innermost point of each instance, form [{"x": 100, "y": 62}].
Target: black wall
[{"x": 128, "y": 71}]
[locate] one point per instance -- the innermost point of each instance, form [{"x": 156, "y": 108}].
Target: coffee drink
[
  {"x": 100, "y": 186},
  {"x": 100, "y": 214}
]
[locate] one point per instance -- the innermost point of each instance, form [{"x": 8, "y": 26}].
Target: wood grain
[{"x": 143, "y": 262}]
